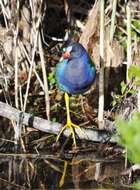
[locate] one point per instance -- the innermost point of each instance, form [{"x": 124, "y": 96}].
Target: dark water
[
  {"x": 32, "y": 171},
  {"x": 43, "y": 166}
]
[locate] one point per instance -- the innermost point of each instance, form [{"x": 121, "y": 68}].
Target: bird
[{"x": 75, "y": 73}]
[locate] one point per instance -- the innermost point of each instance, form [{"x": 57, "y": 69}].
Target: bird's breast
[
  {"x": 75, "y": 75},
  {"x": 75, "y": 72}
]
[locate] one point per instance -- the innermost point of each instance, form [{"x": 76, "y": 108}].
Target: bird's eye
[{"x": 64, "y": 49}]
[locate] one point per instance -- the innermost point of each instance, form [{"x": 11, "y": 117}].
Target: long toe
[{"x": 72, "y": 128}]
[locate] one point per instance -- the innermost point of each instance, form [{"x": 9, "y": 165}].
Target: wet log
[{"x": 47, "y": 126}]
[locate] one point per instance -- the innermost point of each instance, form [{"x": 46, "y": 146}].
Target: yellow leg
[{"x": 69, "y": 123}]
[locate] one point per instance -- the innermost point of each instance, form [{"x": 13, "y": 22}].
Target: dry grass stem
[
  {"x": 16, "y": 67},
  {"x": 129, "y": 46},
  {"x": 29, "y": 61},
  {"x": 101, "y": 73},
  {"x": 43, "y": 66}
]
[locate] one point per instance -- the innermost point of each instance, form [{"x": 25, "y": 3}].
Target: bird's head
[
  {"x": 74, "y": 50},
  {"x": 67, "y": 52}
]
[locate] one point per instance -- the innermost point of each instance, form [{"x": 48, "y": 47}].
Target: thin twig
[
  {"x": 16, "y": 67},
  {"x": 46, "y": 90},
  {"x": 113, "y": 18},
  {"x": 29, "y": 60},
  {"x": 101, "y": 74},
  {"x": 129, "y": 47},
  {"x": 129, "y": 57}
]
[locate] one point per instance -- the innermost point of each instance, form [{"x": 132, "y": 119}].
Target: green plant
[
  {"x": 121, "y": 33},
  {"x": 134, "y": 77},
  {"x": 129, "y": 132},
  {"x": 130, "y": 136},
  {"x": 136, "y": 185},
  {"x": 125, "y": 89},
  {"x": 51, "y": 78},
  {"x": 134, "y": 73}
]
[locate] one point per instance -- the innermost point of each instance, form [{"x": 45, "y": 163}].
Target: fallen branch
[{"x": 13, "y": 114}]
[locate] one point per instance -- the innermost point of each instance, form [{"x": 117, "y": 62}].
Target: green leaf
[
  {"x": 51, "y": 77},
  {"x": 123, "y": 87},
  {"x": 136, "y": 24},
  {"x": 114, "y": 102},
  {"x": 132, "y": 91},
  {"x": 134, "y": 71},
  {"x": 136, "y": 185}
]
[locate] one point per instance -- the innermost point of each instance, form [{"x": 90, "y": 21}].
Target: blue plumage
[{"x": 75, "y": 73}]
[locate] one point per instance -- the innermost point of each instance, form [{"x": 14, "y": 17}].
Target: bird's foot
[{"x": 72, "y": 127}]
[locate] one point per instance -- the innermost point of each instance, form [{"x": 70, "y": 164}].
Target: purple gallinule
[{"x": 74, "y": 75}]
